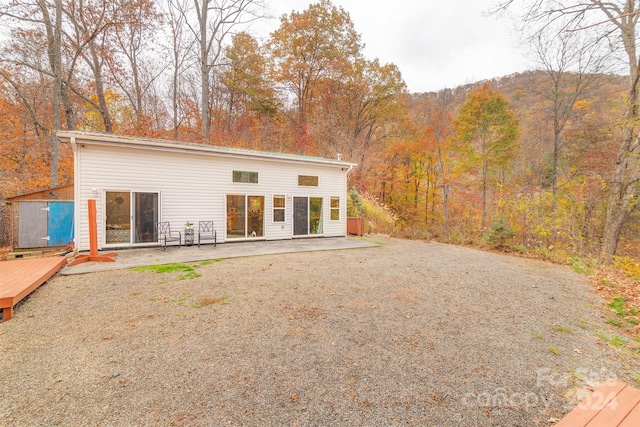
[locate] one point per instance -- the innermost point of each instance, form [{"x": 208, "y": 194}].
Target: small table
[{"x": 188, "y": 236}]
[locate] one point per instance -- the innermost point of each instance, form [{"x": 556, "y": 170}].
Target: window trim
[
  {"x": 279, "y": 208},
  {"x": 332, "y": 209},
  {"x": 242, "y": 173},
  {"x": 302, "y": 177}
]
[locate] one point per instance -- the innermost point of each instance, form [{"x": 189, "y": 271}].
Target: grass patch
[
  {"x": 608, "y": 283},
  {"x": 538, "y": 335},
  {"x": 614, "y": 340},
  {"x": 582, "y": 265},
  {"x": 618, "y": 306},
  {"x": 188, "y": 270},
  {"x": 615, "y": 322},
  {"x": 563, "y": 330},
  {"x": 554, "y": 350}
]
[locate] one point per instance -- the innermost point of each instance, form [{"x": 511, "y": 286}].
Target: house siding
[{"x": 193, "y": 186}]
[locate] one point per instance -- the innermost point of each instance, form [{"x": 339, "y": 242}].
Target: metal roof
[{"x": 82, "y": 137}]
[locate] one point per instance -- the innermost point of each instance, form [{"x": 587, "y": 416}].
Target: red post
[{"x": 93, "y": 228}]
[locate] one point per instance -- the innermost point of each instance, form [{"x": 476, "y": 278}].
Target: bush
[
  {"x": 500, "y": 236},
  {"x": 355, "y": 209}
]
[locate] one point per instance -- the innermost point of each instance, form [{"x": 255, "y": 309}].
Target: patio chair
[
  {"x": 166, "y": 235},
  {"x": 206, "y": 231}
]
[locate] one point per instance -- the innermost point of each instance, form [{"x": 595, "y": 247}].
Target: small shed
[{"x": 41, "y": 218}]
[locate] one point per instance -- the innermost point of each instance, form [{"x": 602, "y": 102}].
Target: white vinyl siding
[{"x": 193, "y": 186}]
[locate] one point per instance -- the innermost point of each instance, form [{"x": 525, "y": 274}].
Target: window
[
  {"x": 278, "y": 208},
  {"x": 335, "y": 208},
  {"x": 245, "y": 176},
  {"x": 308, "y": 180}
]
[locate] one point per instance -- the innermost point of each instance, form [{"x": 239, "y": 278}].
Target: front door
[{"x": 300, "y": 216}]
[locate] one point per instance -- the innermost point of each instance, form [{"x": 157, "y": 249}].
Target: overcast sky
[{"x": 435, "y": 43}]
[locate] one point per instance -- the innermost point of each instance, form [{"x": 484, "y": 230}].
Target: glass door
[
  {"x": 307, "y": 216},
  {"x": 131, "y": 217},
  {"x": 255, "y": 225},
  {"x": 145, "y": 206},
  {"x": 300, "y": 216},
  {"x": 236, "y": 211},
  {"x": 315, "y": 215},
  {"x": 118, "y": 214},
  {"x": 245, "y": 216}
]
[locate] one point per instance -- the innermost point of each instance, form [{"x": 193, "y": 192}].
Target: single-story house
[{"x": 249, "y": 195}]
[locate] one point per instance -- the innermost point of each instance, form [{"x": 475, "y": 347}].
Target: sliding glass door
[
  {"x": 130, "y": 217},
  {"x": 245, "y": 216},
  {"x": 307, "y": 216}
]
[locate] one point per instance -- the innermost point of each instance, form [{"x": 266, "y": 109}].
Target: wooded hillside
[{"x": 524, "y": 161}]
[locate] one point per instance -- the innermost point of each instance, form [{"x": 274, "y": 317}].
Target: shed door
[
  {"x": 60, "y": 223},
  {"x": 33, "y": 221}
]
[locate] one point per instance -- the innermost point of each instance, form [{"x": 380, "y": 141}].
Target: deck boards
[
  {"x": 18, "y": 278},
  {"x": 612, "y": 405}
]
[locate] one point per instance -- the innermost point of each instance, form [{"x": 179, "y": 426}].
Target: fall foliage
[{"x": 524, "y": 160}]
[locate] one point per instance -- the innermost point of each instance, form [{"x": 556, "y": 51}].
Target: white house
[{"x": 249, "y": 195}]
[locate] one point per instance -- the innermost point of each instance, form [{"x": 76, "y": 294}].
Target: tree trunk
[
  {"x": 622, "y": 189},
  {"x": 485, "y": 170},
  {"x": 56, "y": 64},
  {"x": 205, "y": 70}
]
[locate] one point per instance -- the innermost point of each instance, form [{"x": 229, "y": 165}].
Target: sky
[{"x": 436, "y": 44}]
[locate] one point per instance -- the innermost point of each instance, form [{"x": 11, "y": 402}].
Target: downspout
[{"x": 76, "y": 193}]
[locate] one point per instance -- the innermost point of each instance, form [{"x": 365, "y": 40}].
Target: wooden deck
[
  {"x": 614, "y": 404},
  {"x": 20, "y": 277}
]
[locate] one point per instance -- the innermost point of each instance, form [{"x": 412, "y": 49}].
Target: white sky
[{"x": 435, "y": 43}]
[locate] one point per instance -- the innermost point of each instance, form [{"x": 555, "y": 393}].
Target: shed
[
  {"x": 41, "y": 218},
  {"x": 249, "y": 195}
]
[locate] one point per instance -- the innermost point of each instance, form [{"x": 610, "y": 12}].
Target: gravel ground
[{"x": 409, "y": 333}]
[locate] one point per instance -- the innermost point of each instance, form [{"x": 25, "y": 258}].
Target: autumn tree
[
  {"x": 490, "y": 129},
  {"x": 602, "y": 20},
  {"x": 308, "y": 50}
]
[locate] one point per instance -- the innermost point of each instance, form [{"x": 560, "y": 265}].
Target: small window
[
  {"x": 308, "y": 180},
  {"x": 278, "y": 208},
  {"x": 335, "y": 208},
  {"x": 245, "y": 176}
]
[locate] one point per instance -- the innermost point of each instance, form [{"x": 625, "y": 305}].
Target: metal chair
[
  {"x": 166, "y": 235},
  {"x": 206, "y": 231}
]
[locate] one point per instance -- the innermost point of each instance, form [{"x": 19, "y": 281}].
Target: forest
[{"x": 543, "y": 162}]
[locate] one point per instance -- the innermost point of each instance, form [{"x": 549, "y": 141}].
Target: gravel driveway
[{"x": 408, "y": 333}]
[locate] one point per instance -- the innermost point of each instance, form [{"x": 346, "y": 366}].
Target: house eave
[{"x": 79, "y": 137}]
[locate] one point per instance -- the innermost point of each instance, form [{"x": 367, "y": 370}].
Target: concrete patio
[{"x": 128, "y": 258}]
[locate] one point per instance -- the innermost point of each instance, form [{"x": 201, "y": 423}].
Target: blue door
[{"x": 60, "y": 223}]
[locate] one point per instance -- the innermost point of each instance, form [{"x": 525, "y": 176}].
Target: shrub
[{"x": 500, "y": 236}]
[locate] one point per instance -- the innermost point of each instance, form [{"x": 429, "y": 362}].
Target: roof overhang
[{"x": 76, "y": 138}]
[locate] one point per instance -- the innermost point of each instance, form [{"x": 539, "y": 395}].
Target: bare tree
[
  {"x": 215, "y": 22},
  {"x": 180, "y": 45},
  {"x": 41, "y": 19},
  {"x": 612, "y": 24},
  {"x": 572, "y": 67}
]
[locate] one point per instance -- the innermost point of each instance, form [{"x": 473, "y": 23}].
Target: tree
[
  {"x": 571, "y": 67},
  {"x": 486, "y": 123},
  {"x": 136, "y": 25},
  {"x": 215, "y": 22},
  {"x": 309, "y": 49},
  {"x": 610, "y": 24},
  {"x": 42, "y": 20}
]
